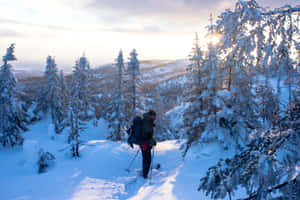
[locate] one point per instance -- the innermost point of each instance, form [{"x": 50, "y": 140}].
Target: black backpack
[{"x": 135, "y": 131}]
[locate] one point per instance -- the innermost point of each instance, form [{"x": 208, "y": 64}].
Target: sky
[{"x": 65, "y": 29}]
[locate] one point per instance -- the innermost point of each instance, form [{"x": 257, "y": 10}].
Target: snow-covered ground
[{"x": 100, "y": 173}]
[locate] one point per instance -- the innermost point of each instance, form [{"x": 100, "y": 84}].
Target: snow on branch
[{"x": 282, "y": 11}]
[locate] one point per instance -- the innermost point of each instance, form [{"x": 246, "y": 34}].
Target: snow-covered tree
[
  {"x": 12, "y": 117},
  {"x": 240, "y": 113},
  {"x": 75, "y": 126},
  {"x": 80, "y": 85},
  {"x": 46, "y": 160},
  {"x": 266, "y": 60},
  {"x": 242, "y": 110},
  {"x": 116, "y": 108},
  {"x": 266, "y": 169},
  {"x": 211, "y": 71},
  {"x": 268, "y": 105},
  {"x": 265, "y": 165},
  {"x": 132, "y": 85},
  {"x": 285, "y": 66},
  {"x": 196, "y": 59},
  {"x": 64, "y": 89},
  {"x": 193, "y": 114},
  {"x": 9, "y": 56},
  {"x": 78, "y": 102},
  {"x": 51, "y": 97},
  {"x": 238, "y": 39},
  {"x": 277, "y": 59}
]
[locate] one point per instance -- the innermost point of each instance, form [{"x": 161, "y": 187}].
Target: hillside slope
[{"x": 100, "y": 171}]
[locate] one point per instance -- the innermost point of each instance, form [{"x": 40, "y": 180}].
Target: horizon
[{"x": 65, "y": 29}]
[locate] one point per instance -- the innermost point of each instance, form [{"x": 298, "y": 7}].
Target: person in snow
[{"x": 147, "y": 140}]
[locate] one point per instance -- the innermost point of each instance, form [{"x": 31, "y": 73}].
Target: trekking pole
[
  {"x": 151, "y": 166},
  {"x": 128, "y": 169}
]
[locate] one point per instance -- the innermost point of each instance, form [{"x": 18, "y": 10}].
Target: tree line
[{"x": 68, "y": 105}]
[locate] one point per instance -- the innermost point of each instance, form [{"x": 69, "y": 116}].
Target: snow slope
[{"x": 100, "y": 173}]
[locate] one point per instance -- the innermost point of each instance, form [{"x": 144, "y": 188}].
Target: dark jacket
[{"x": 147, "y": 128}]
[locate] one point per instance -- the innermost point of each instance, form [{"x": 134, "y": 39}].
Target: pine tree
[
  {"x": 81, "y": 75},
  {"x": 78, "y": 102},
  {"x": 193, "y": 114},
  {"x": 211, "y": 76},
  {"x": 12, "y": 117},
  {"x": 240, "y": 113},
  {"x": 51, "y": 97},
  {"x": 133, "y": 84},
  {"x": 64, "y": 89},
  {"x": 117, "y": 115}
]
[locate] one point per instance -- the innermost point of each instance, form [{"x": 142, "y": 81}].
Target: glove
[
  {"x": 130, "y": 143},
  {"x": 153, "y": 142}
]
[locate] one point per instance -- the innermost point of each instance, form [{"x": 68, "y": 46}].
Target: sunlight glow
[
  {"x": 210, "y": 39},
  {"x": 213, "y": 39}
]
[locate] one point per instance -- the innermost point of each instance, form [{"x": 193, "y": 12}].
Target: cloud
[
  {"x": 162, "y": 15},
  {"x": 9, "y": 21},
  {"x": 170, "y": 8},
  {"x": 155, "y": 9},
  {"x": 152, "y": 15},
  {"x": 9, "y": 33},
  {"x": 143, "y": 29},
  {"x": 36, "y": 25}
]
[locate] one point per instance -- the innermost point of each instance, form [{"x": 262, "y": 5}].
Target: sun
[
  {"x": 210, "y": 40},
  {"x": 213, "y": 39}
]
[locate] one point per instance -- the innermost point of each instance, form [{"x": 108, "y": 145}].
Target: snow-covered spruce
[
  {"x": 133, "y": 82},
  {"x": 80, "y": 87},
  {"x": 193, "y": 114},
  {"x": 51, "y": 98},
  {"x": 212, "y": 84},
  {"x": 116, "y": 108},
  {"x": 12, "y": 117},
  {"x": 79, "y": 102},
  {"x": 265, "y": 166}
]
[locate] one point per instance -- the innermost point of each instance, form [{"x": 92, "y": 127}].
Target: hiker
[{"x": 147, "y": 140}]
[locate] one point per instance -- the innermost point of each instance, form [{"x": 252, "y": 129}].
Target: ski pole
[
  {"x": 151, "y": 166},
  {"x": 128, "y": 169}
]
